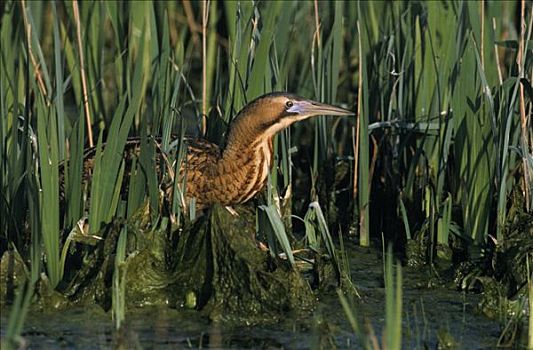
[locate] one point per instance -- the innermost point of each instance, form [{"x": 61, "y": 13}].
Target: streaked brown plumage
[{"x": 236, "y": 173}]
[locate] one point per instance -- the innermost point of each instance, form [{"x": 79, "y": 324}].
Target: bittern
[{"x": 235, "y": 173}]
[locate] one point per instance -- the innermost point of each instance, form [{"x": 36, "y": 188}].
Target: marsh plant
[{"x": 438, "y": 157}]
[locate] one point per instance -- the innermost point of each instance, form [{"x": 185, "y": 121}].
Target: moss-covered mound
[{"x": 213, "y": 265}]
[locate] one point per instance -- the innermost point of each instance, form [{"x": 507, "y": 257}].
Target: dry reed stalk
[
  {"x": 82, "y": 73},
  {"x": 205, "y": 18},
  {"x": 317, "y": 23},
  {"x": 498, "y": 64},
  {"x": 34, "y": 63},
  {"x": 193, "y": 26}
]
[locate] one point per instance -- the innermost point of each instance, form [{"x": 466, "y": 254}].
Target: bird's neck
[
  {"x": 247, "y": 159},
  {"x": 241, "y": 135}
]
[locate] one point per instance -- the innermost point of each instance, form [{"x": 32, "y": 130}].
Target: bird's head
[{"x": 271, "y": 113}]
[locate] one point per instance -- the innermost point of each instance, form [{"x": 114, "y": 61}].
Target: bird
[{"x": 235, "y": 172}]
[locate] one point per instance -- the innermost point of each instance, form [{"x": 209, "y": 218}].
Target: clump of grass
[
  {"x": 443, "y": 103},
  {"x": 444, "y": 118},
  {"x": 392, "y": 334}
]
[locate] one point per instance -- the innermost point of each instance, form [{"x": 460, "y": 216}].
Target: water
[{"x": 431, "y": 317}]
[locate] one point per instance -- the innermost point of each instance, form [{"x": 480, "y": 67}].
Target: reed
[
  {"x": 530, "y": 295},
  {"x": 443, "y": 118},
  {"x": 392, "y": 334},
  {"x": 440, "y": 142}
]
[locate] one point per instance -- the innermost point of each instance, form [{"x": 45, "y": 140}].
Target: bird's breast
[
  {"x": 257, "y": 173},
  {"x": 234, "y": 178}
]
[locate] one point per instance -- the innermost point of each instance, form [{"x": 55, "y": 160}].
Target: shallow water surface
[{"x": 431, "y": 317}]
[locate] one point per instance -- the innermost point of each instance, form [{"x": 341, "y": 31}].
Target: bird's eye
[{"x": 288, "y": 104}]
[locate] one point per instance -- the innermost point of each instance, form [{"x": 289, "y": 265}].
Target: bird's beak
[{"x": 308, "y": 108}]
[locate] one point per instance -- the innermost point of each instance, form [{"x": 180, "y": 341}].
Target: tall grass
[
  {"x": 439, "y": 143},
  {"x": 446, "y": 126}
]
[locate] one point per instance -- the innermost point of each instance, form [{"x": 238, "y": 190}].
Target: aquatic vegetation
[
  {"x": 437, "y": 161},
  {"x": 392, "y": 334}
]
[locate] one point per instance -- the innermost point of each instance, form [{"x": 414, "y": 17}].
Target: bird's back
[{"x": 199, "y": 165}]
